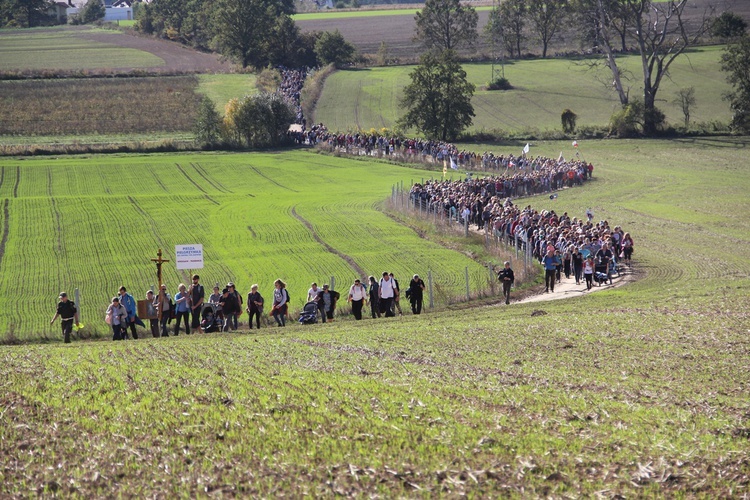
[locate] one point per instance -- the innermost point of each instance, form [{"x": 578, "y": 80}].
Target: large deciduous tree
[
  {"x": 446, "y": 25},
  {"x": 259, "y": 120},
  {"x": 513, "y": 21},
  {"x": 245, "y": 28},
  {"x": 332, "y": 48},
  {"x": 661, "y": 34},
  {"x": 547, "y": 16},
  {"x": 438, "y": 99},
  {"x": 736, "y": 62},
  {"x": 24, "y": 13}
]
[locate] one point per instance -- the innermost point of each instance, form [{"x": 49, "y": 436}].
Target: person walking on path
[
  {"x": 507, "y": 278},
  {"x": 280, "y": 302},
  {"x": 127, "y": 301},
  {"x": 357, "y": 297},
  {"x": 182, "y": 309},
  {"x": 396, "y": 296},
  {"x": 230, "y": 308},
  {"x": 67, "y": 311},
  {"x": 327, "y": 301},
  {"x": 237, "y": 298},
  {"x": 164, "y": 308},
  {"x": 254, "y": 306},
  {"x": 416, "y": 294},
  {"x": 374, "y": 298},
  {"x": 386, "y": 292},
  {"x": 588, "y": 271},
  {"x": 577, "y": 258},
  {"x": 197, "y": 295},
  {"x": 550, "y": 269},
  {"x": 117, "y": 318},
  {"x": 151, "y": 313}
]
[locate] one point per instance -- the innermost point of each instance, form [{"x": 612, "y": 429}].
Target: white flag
[
  {"x": 453, "y": 164},
  {"x": 526, "y": 149},
  {"x": 560, "y": 158}
]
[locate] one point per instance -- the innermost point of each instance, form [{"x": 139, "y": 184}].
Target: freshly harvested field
[
  {"x": 93, "y": 223},
  {"x": 95, "y": 50},
  {"x": 641, "y": 391},
  {"x": 361, "y": 99},
  {"x": 98, "y": 106}
]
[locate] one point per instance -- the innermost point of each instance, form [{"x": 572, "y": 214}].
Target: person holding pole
[
  {"x": 163, "y": 307},
  {"x": 66, "y": 309}
]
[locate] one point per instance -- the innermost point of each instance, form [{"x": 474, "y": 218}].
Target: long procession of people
[{"x": 559, "y": 242}]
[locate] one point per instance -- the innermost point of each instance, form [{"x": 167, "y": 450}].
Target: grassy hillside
[
  {"x": 638, "y": 391},
  {"x": 368, "y": 98},
  {"x": 94, "y": 223}
]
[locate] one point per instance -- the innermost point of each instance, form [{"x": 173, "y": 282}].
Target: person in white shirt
[
  {"x": 386, "y": 292},
  {"x": 312, "y": 292},
  {"x": 357, "y": 296}
]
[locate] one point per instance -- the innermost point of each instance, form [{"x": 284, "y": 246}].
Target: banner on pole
[{"x": 189, "y": 256}]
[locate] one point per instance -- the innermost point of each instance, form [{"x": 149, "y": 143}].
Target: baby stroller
[
  {"x": 309, "y": 315},
  {"x": 210, "y": 321}
]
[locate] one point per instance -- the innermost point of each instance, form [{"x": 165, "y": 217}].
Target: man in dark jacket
[
  {"x": 415, "y": 294},
  {"x": 374, "y": 298},
  {"x": 507, "y": 278},
  {"x": 326, "y": 300},
  {"x": 66, "y": 309},
  {"x": 229, "y": 308}
]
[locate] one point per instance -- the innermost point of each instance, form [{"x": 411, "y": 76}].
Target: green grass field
[
  {"x": 52, "y": 50},
  {"x": 221, "y": 88},
  {"x": 639, "y": 391},
  {"x": 361, "y": 99},
  {"x": 94, "y": 223}
]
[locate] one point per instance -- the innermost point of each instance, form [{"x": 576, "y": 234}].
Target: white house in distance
[{"x": 115, "y": 10}]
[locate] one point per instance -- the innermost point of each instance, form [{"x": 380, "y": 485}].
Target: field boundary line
[
  {"x": 6, "y": 228},
  {"x": 361, "y": 272},
  {"x": 273, "y": 181}
]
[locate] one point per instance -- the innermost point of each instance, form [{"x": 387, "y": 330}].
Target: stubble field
[{"x": 637, "y": 391}]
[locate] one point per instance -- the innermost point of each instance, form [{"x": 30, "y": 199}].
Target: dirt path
[{"x": 567, "y": 288}]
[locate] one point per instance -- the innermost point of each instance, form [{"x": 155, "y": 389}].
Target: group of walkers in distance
[
  {"x": 563, "y": 245},
  {"x": 221, "y": 310}
]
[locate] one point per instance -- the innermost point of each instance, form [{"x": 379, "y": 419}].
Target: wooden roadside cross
[{"x": 159, "y": 261}]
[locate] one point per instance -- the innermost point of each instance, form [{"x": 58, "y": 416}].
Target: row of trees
[
  {"x": 254, "y": 33},
  {"x": 659, "y": 31}
]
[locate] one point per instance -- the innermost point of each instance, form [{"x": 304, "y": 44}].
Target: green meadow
[
  {"x": 221, "y": 87},
  {"x": 366, "y": 98},
  {"x": 94, "y": 223},
  {"x": 36, "y": 51},
  {"x": 636, "y": 391}
]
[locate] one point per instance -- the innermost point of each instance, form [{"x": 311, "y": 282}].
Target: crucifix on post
[{"x": 159, "y": 261}]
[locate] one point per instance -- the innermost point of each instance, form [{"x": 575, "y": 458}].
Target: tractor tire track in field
[
  {"x": 158, "y": 181},
  {"x": 58, "y": 226},
  {"x": 149, "y": 220},
  {"x": 182, "y": 171},
  {"x": 360, "y": 272},
  {"x": 6, "y": 228},
  {"x": 2, "y": 176},
  {"x": 273, "y": 181},
  {"x": 250, "y": 228},
  {"x": 18, "y": 180},
  {"x": 216, "y": 185},
  {"x": 212, "y": 200}
]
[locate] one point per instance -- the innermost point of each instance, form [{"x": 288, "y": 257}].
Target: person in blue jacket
[
  {"x": 127, "y": 301},
  {"x": 551, "y": 261}
]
